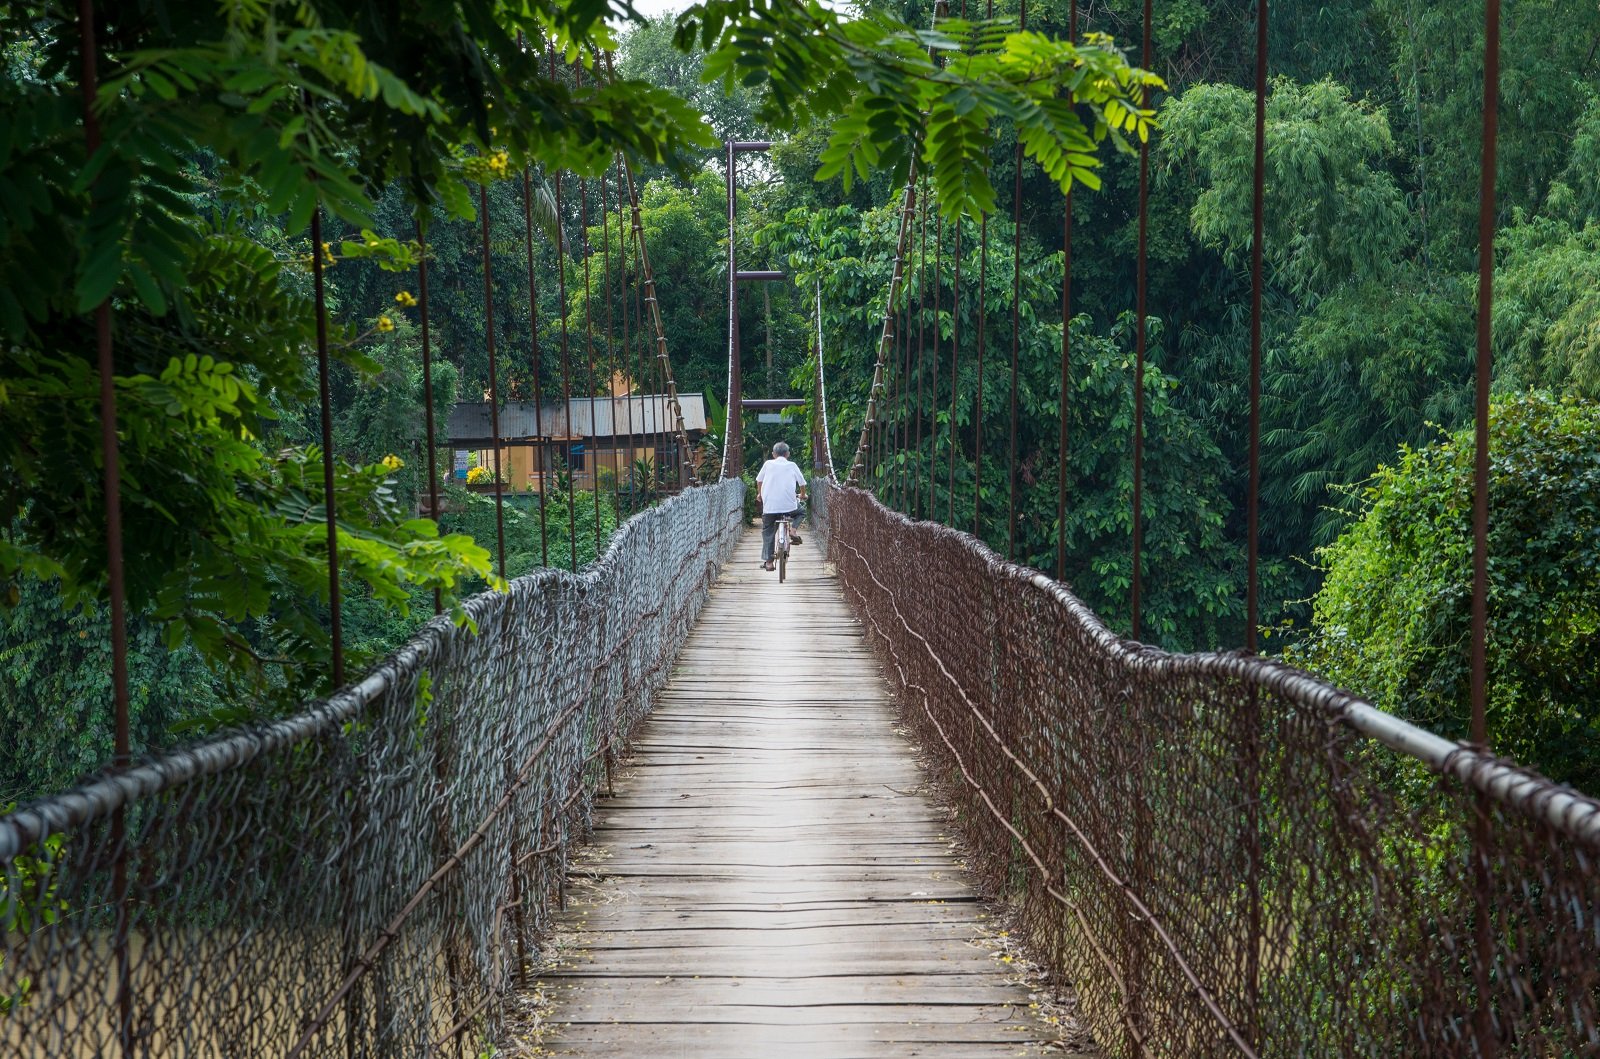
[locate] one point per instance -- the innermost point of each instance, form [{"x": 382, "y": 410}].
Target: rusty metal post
[
  {"x": 1066, "y": 349},
  {"x": 733, "y": 429},
  {"x": 917, "y": 510},
  {"x": 111, "y": 478},
  {"x": 427, "y": 384},
  {"x": 1487, "y": 1042},
  {"x": 1139, "y": 352},
  {"x": 536, "y": 361},
  {"x": 1016, "y": 327},
  {"x": 494, "y": 380},
  {"x": 1252, "y": 713},
  {"x": 733, "y": 438}
]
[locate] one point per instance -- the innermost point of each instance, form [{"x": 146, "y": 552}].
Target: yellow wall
[{"x": 517, "y": 465}]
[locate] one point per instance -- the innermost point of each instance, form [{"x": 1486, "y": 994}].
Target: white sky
[{"x": 653, "y": 8}]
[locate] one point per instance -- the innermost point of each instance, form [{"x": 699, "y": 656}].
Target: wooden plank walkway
[{"x": 769, "y": 883}]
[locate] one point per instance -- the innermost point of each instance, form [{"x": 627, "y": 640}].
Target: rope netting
[
  {"x": 1226, "y": 856},
  {"x": 369, "y": 877}
]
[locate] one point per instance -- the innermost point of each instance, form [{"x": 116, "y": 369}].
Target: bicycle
[
  {"x": 780, "y": 547},
  {"x": 783, "y": 537}
]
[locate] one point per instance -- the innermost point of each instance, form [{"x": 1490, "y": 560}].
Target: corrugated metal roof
[{"x": 589, "y": 417}]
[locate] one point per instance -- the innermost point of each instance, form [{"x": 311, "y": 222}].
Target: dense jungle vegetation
[{"x": 226, "y": 131}]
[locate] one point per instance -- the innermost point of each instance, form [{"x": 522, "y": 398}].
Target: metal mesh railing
[
  {"x": 369, "y": 877},
  {"x": 1226, "y": 856}
]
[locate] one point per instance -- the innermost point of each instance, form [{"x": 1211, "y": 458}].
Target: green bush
[
  {"x": 1393, "y": 618},
  {"x": 752, "y": 508}
]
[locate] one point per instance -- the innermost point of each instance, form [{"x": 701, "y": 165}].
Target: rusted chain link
[
  {"x": 390, "y": 815},
  {"x": 1226, "y": 856}
]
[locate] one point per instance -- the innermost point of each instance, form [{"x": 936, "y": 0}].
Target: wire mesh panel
[
  {"x": 368, "y": 877},
  {"x": 1224, "y": 855}
]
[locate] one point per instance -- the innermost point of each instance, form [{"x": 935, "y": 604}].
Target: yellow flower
[
  {"x": 393, "y": 462},
  {"x": 404, "y": 299},
  {"x": 385, "y": 324}
]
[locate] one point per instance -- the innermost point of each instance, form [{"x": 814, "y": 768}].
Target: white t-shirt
[{"x": 779, "y": 479}]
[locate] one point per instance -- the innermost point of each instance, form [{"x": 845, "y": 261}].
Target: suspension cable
[
  {"x": 896, "y": 276},
  {"x": 907, "y": 204},
  {"x": 822, "y": 386}
]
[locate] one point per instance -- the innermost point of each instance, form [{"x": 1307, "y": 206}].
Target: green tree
[
  {"x": 55, "y": 690},
  {"x": 1333, "y": 212},
  {"x": 1547, "y": 307},
  {"x": 647, "y": 53},
  {"x": 1392, "y": 620}
]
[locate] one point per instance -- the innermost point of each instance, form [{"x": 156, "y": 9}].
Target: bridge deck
[{"x": 769, "y": 884}]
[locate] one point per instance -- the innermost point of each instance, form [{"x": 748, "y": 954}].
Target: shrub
[{"x": 1393, "y": 618}]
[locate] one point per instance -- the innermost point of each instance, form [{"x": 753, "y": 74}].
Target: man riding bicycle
[{"x": 780, "y": 486}]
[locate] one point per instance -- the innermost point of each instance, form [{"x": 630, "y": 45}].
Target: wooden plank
[{"x": 768, "y": 881}]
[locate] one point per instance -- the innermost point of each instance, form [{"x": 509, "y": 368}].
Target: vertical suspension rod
[
  {"x": 733, "y": 427},
  {"x": 628, "y": 375},
  {"x": 1066, "y": 348},
  {"x": 917, "y": 509},
  {"x": 1139, "y": 351},
  {"x": 1016, "y": 318},
  {"x": 427, "y": 382},
  {"x": 325, "y": 401},
  {"x": 535, "y": 359},
  {"x": 955, "y": 359},
  {"x": 1257, "y": 272},
  {"x": 111, "y": 481},
  {"x": 588, "y": 337},
  {"x": 1488, "y": 1043},
  {"x": 610, "y": 341},
  {"x": 566, "y": 352},
  {"x": 933, "y": 379},
  {"x": 494, "y": 380},
  {"x": 983, "y": 333},
  {"x": 1252, "y": 711}
]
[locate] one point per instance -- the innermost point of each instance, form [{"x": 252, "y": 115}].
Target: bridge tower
[{"x": 733, "y": 433}]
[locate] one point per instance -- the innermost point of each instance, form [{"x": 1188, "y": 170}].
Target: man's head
[{"x": 781, "y": 449}]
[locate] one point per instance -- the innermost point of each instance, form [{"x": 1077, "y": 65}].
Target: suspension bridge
[{"x": 920, "y": 800}]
